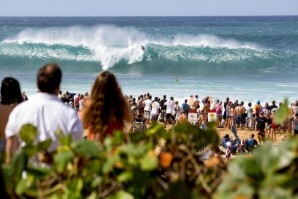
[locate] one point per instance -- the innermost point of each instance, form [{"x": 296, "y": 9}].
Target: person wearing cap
[{"x": 261, "y": 123}]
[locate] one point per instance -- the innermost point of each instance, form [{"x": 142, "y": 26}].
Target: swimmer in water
[
  {"x": 142, "y": 47},
  {"x": 176, "y": 80}
]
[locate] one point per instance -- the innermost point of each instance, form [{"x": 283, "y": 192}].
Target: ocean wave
[
  {"x": 119, "y": 49},
  {"x": 108, "y": 44}
]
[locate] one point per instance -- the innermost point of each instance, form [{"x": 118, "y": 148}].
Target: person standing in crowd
[
  {"x": 239, "y": 111},
  {"x": 185, "y": 107},
  {"x": 169, "y": 110},
  {"x": 76, "y": 102},
  {"x": 260, "y": 127},
  {"x": 224, "y": 117},
  {"x": 181, "y": 118},
  {"x": 147, "y": 109},
  {"x": 133, "y": 104},
  {"x": 45, "y": 111},
  {"x": 141, "y": 105},
  {"x": 105, "y": 110},
  {"x": 81, "y": 102},
  {"x": 257, "y": 109},
  {"x": 24, "y": 96},
  {"x": 196, "y": 102},
  {"x": 163, "y": 107},
  {"x": 272, "y": 106},
  {"x": 60, "y": 95},
  {"x": 232, "y": 114},
  {"x": 206, "y": 107},
  {"x": 11, "y": 97},
  {"x": 176, "y": 110},
  {"x": 269, "y": 126},
  {"x": 249, "y": 112},
  {"x": 155, "y": 110},
  {"x": 191, "y": 102},
  {"x": 218, "y": 110}
]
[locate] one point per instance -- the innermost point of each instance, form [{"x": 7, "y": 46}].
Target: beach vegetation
[{"x": 154, "y": 164}]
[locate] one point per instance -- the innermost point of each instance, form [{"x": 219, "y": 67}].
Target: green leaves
[
  {"x": 18, "y": 164},
  {"x": 282, "y": 113},
  {"x": 149, "y": 162},
  {"x": 28, "y": 133},
  {"x": 85, "y": 148},
  {"x": 268, "y": 173},
  {"x": 61, "y": 160}
]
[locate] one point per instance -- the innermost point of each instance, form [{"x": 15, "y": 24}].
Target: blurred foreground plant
[{"x": 154, "y": 164}]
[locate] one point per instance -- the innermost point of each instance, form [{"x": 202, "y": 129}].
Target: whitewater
[{"x": 247, "y": 58}]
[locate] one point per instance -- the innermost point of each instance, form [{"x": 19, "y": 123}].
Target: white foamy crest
[
  {"x": 109, "y": 45},
  {"x": 212, "y": 41}
]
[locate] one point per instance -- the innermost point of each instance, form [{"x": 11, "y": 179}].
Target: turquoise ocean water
[{"x": 246, "y": 58}]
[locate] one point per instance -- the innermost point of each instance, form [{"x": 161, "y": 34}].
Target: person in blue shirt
[{"x": 185, "y": 107}]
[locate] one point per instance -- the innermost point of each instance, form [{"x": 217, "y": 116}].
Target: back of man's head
[
  {"x": 49, "y": 78},
  {"x": 164, "y": 96}
]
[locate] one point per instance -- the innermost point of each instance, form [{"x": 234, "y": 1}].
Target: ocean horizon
[{"x": 247, "y": 58}]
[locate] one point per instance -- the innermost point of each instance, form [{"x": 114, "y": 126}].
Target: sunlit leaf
[
  {"x": 125, "y": 176},
  {"x": 28, "y": 133},
  {"x": 61, "y": 160},
  {"x": 44, "y": 145},
  {"x": 149, "y": 162},
  {"x": 18, "y": 164},
  {"x": 86, "y": 148}
]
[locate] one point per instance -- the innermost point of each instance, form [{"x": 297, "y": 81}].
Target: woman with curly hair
[{"x": 106, "y": 109}]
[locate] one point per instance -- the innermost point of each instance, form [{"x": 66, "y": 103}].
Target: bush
[{"x": 154, "y": 164}]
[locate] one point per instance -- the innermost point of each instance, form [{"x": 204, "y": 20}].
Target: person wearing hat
[{"x": 261, "y": 123}]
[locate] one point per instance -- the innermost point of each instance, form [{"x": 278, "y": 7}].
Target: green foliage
[
  {"x": 271, "y": 172},
  {"x": 154, "y": 164}
]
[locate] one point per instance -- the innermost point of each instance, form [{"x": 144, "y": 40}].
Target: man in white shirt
[
  {"x": 147, "y": 109},
  {"x": 45, "y": 111},
  {"x": 155, "y": 110},
  {"x": 169, "y": 110}
]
